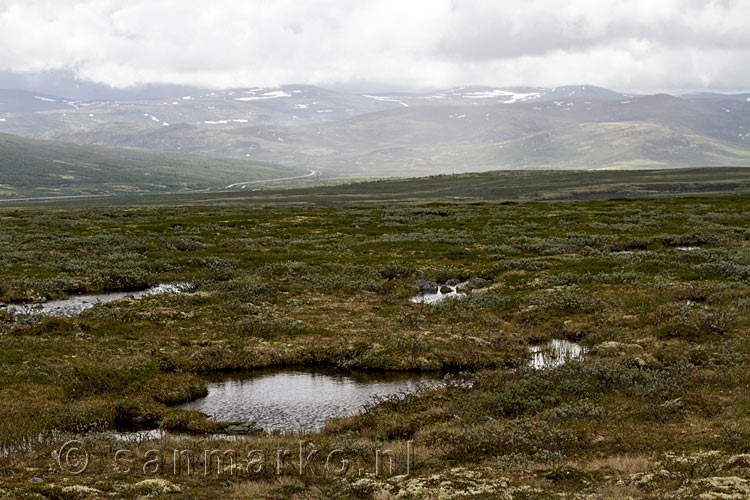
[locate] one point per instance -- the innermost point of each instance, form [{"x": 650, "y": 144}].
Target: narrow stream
[
  {"x": 432, "y": 298},
  {"x": 73, "y": 306}
]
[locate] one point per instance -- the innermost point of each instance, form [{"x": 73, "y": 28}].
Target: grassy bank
[{"x": 656, "y": 288}]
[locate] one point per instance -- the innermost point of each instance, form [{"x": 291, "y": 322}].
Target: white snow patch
[
  {"x": 240, "y": 120},
  {"x": 296, "y": 91},
  {"x": 325, "y": 111},
  {"x": 165, "y": 124},
  {"x": 300, "y": 106},
  {"x": 155, "y": 119},
  {"x": 218, "y": 122},
  {"x": 2, "y": 119},
  {"x": 91, "y": 115},
  {"x": 276, "y": 93},
  {"x": 512, "y": 96},
  {"x": 186, "y": 98},
  {"x": 386, "y": 99},
  {"x": 46, "y": 99},
  {"x": 175, "y": 102},
  {"x": 625, "y": 102},
  {"x": 267, "y": 95}
]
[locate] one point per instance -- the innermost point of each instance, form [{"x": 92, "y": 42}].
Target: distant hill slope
[
  {"x": 527, "y": 185},
  {"x": 465, "y": 129},
  {"x": 19, "y": 101},
  {"x": 33, "y": 168}
]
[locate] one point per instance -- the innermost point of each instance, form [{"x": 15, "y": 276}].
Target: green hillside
[
  {"x": 495, "y": 186},
  {"x": 33, "y": 168}
]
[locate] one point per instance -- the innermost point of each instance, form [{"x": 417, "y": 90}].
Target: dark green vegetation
[
  {"x": 497, "y": 186},
  {"x": 32, "y": 168},
  {"x": 657, "y": 288}
]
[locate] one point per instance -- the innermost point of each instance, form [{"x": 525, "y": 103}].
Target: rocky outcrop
[
  {"x": 426, "y": 286},
  {"x": 157, "y": 486}
]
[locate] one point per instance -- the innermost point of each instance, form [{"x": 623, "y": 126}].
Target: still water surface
[{"x": 301, "y": 400}]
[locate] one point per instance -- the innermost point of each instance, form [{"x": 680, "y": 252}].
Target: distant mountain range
[{"x": 384, "y": 134}]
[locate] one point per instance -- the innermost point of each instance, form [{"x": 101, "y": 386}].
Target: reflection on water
[
  {"x": 300, "y": 400},
  {"x": 73, "y": 306},
  {"x": 555, "y": 353}
]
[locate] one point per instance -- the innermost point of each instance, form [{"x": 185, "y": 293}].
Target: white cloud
[{"x": 636, "y": 44}]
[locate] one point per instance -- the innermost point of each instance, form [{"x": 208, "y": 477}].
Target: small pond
[
  {"x": 555, "y": 353},
  {"x": 73, "y": 306},
  {"x": 290, "y": 400}
]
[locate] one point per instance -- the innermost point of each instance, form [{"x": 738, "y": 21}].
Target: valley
[{"x": 456, "y": 130}]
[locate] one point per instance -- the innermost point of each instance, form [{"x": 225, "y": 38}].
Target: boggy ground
[{"x": 658, "y": 289}]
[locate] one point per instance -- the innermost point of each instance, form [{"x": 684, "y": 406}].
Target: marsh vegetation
[{"x": 659, "y": 403}]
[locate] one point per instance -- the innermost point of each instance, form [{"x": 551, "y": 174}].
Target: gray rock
[
  {"x": 36, "y": 480},
  {"x": 243, "y": 428},
  {"x": 453, "y": 282},
  {"x": 445, "y": 289},
  {"x": 426, "y": 286}
]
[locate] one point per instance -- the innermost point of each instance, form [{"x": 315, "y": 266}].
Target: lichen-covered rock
[
  {"x": 725, "y": 488},
  {"x": 447, "y": 485},
  {"x": 737, "y": 461},
  {"x": 80, "y": 491},
  {"x": 644, "y": 360},
  {"x": 156, "y": 486}
]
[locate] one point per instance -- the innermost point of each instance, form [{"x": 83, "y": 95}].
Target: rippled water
[
  {"x": 301, "y": 400},
  {"x": 73, "y": 306},
  {"x": 555, "y": 353}
]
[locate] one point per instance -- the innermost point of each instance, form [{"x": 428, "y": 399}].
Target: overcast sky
[{"x": 633, "y": 45}]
